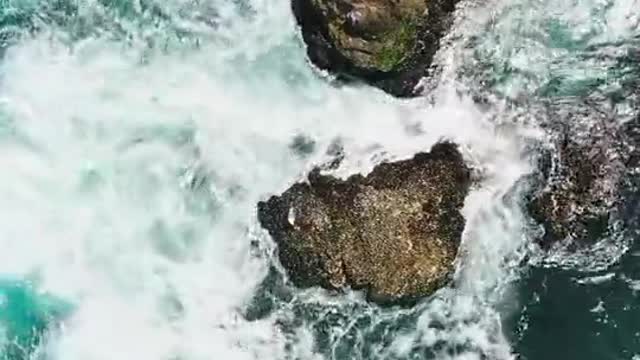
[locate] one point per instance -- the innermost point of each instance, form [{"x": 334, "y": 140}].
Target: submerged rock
[
  {"x": 394, "y": 233},
  {"x": 582, "y": 178},
  {"x": 389, "y": 44}
]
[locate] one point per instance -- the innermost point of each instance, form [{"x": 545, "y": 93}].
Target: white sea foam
[{"x": 105, "y": 135}]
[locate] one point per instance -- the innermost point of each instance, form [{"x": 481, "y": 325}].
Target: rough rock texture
[
  {"x": 629, "y": 209},
  {"x": 583, "y": 176},
  {"x": 394, "y": 233},
  {"x": 387, "y": 43}
]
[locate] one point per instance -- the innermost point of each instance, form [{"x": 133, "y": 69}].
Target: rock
[
  {"x": 387, "y": 43},
  {"x": 394, "y": 233},
  {"x": 581, "y": 179},
  {"x": 629, "y": 208}
]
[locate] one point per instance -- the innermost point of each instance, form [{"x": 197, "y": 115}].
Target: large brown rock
[
  {"x": 394, "y": 233},
  {"x": 387, "y": 43}
]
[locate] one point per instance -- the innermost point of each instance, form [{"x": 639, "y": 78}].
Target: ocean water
[{"x": 136, "y": 137}]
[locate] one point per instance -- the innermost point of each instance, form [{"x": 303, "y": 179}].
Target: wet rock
[
  {"x": 394, "y": 233},
  {"x": 581, "y": 182},
  {"x": 630, "y": 207},
  {"x": 387, "y": 43}
]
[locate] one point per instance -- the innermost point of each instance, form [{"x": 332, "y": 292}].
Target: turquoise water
[
  {"x": 25, "y": 317},
  {"x": 138, "y": 136}
]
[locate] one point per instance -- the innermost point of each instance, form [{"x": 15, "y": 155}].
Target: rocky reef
[
  {"x": 388, "y": 44},
  {"x": 394, "y": 233}
]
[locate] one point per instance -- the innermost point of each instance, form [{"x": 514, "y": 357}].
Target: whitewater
[{"x": 136, "y": 138}]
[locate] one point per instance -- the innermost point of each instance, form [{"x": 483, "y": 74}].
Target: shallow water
[{"x": 138, "y": 135}]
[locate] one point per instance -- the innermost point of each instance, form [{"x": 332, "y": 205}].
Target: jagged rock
[
  {"x": 629, "y": 209},
  {"x": 394, "y": 233},
  {"x": 387, "y": 43},
  {"x": 582, "y": 177}
]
